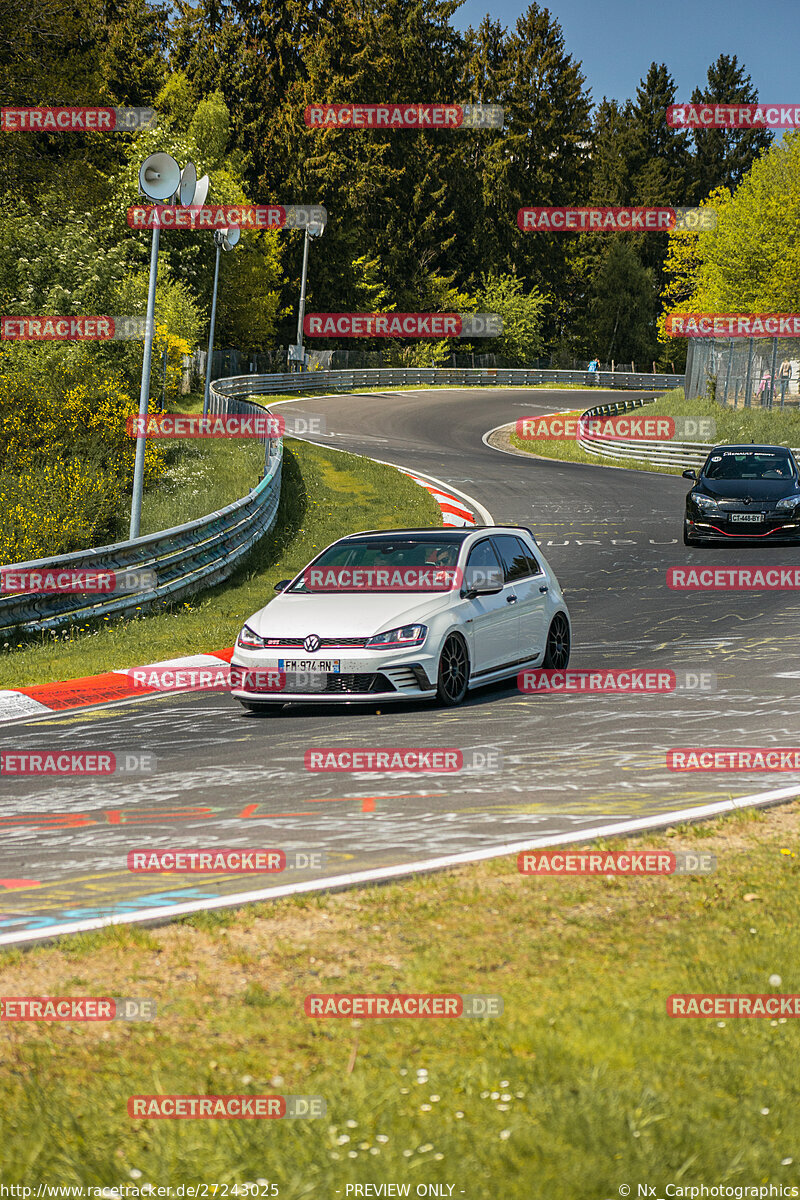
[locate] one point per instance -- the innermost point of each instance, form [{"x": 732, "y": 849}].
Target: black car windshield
[
  {"x": 380, "y": 565},
  {"x": 749, "y": 464}
]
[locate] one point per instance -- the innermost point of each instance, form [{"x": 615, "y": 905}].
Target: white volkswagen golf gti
[{"x": 405, "y": 614}]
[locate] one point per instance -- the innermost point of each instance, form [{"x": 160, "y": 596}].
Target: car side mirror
[
  {"x": 689, "y": 473},
  {"x": 483, "y": 589},
  {"x": 284, "y": 583}
]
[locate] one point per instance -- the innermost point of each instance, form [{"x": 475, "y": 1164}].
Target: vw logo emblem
[{"x": 311, "y": 643}]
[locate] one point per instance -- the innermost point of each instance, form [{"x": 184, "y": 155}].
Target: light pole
[
  {"x": 314, "y": 229},
  {"x": 161, "y": 180},
  {"x": 225, "y": 239},
  {"x": 159, "y": 177}
]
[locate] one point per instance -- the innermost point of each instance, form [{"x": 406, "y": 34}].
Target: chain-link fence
[{"x": 745, "y": 372}]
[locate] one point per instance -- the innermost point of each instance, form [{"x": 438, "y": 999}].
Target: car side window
[
  {"x": 518, "y": 562},
  {"x": 483, "y": 566}
]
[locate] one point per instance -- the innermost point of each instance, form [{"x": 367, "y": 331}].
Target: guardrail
[
  {"x": 341, "y": 380},
  {"x": 185, "y": 558},
  {"x": 679, "y": 455}
]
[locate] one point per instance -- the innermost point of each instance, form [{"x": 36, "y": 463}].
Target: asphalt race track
[{"x": 567, "y": 764}]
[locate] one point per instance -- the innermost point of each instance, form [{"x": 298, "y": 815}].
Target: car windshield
[
  {"x": 749, "y": 464},
  {"x": 379, "y": 565}
]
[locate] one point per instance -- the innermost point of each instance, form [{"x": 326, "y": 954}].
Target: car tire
[
  {"x": 688, "y": 540},
  {"x": 452, "y": 679},
  {"x": 558, "y": 645}
]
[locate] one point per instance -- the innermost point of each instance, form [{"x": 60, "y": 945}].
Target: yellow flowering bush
[{"x": 66, "y": 460}]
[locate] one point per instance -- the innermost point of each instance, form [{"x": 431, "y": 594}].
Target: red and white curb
[
  {"x": 453, "y": 510},
  {"x": 125, "y": 683}
]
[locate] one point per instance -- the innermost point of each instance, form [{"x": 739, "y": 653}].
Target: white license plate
[
  {"x": 747, "y": 517},
  {"x": 320, "y": 666}
]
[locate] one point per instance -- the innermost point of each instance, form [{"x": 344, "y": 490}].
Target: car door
[
  {"x": 492, "y": 620},
  {"x": 526, "y": 580}
]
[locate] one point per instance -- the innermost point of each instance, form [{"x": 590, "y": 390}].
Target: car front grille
[
  {"x": 338, "y": 683},
  {"x": 324, "y": 643}
]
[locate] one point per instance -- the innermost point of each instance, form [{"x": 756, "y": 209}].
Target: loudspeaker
[
  {"x": 188, "y": 184},
  {"x": 159, "y": 176},
  {"x": 200, "y": 192},
  {"x": 232, "y": 236}
]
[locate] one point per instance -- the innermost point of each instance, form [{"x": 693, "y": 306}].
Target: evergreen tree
[{"x": 724, "y": 156}]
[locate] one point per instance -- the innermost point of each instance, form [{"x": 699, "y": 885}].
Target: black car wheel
[
  {"x": 451, "y": 685},
  {"x": 558, "y": 643}
]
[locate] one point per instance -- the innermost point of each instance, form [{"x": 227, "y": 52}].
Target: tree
[
  {"x": 521, "y": 341},
  {"x": 724, "y": 156},
  {"x": 621, "y": 323}
]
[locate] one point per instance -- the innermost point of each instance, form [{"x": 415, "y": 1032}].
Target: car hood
[
  {"x": 768, "y": 490},
  {"x": 345, "y": 614}
]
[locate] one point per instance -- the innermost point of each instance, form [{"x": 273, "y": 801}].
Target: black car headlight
[
  {"x": 394, "y": 639},
  {"x": 788, "y": 503},
  {"x": 708, "y": 505},
  {"x": 250, "y": 639}
]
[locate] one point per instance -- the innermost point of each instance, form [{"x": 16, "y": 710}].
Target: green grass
[
  {"x": 584, "y": 1084},
  {"x": 741, "y": 425},
  {"x": 325, "y": 495},
  {"x": 200, "y": 478}
]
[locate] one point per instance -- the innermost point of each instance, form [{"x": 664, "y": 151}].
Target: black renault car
[{"x": 743, "y": 493}]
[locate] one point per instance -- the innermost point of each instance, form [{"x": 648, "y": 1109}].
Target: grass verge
[
  {"x": 200, "y": 477},
  {"x": 584, "y": 1084},
  {"x": 731, "y": 425},
  {"x": 325, "y": 495}
]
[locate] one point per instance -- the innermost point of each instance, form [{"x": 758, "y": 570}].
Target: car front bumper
[
  {"x": 775, "y": 529},
  {"x": 363, "y": 675}
]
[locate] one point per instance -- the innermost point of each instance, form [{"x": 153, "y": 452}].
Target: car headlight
[
  {"x": 406, "y": 635},
  {"x": 706, "y": 504},
  {"x": 788, "y": 503},
  {"x": 250, "y": 639}
]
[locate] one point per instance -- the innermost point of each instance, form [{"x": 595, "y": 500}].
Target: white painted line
[{"x": 385, "y": 874}]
